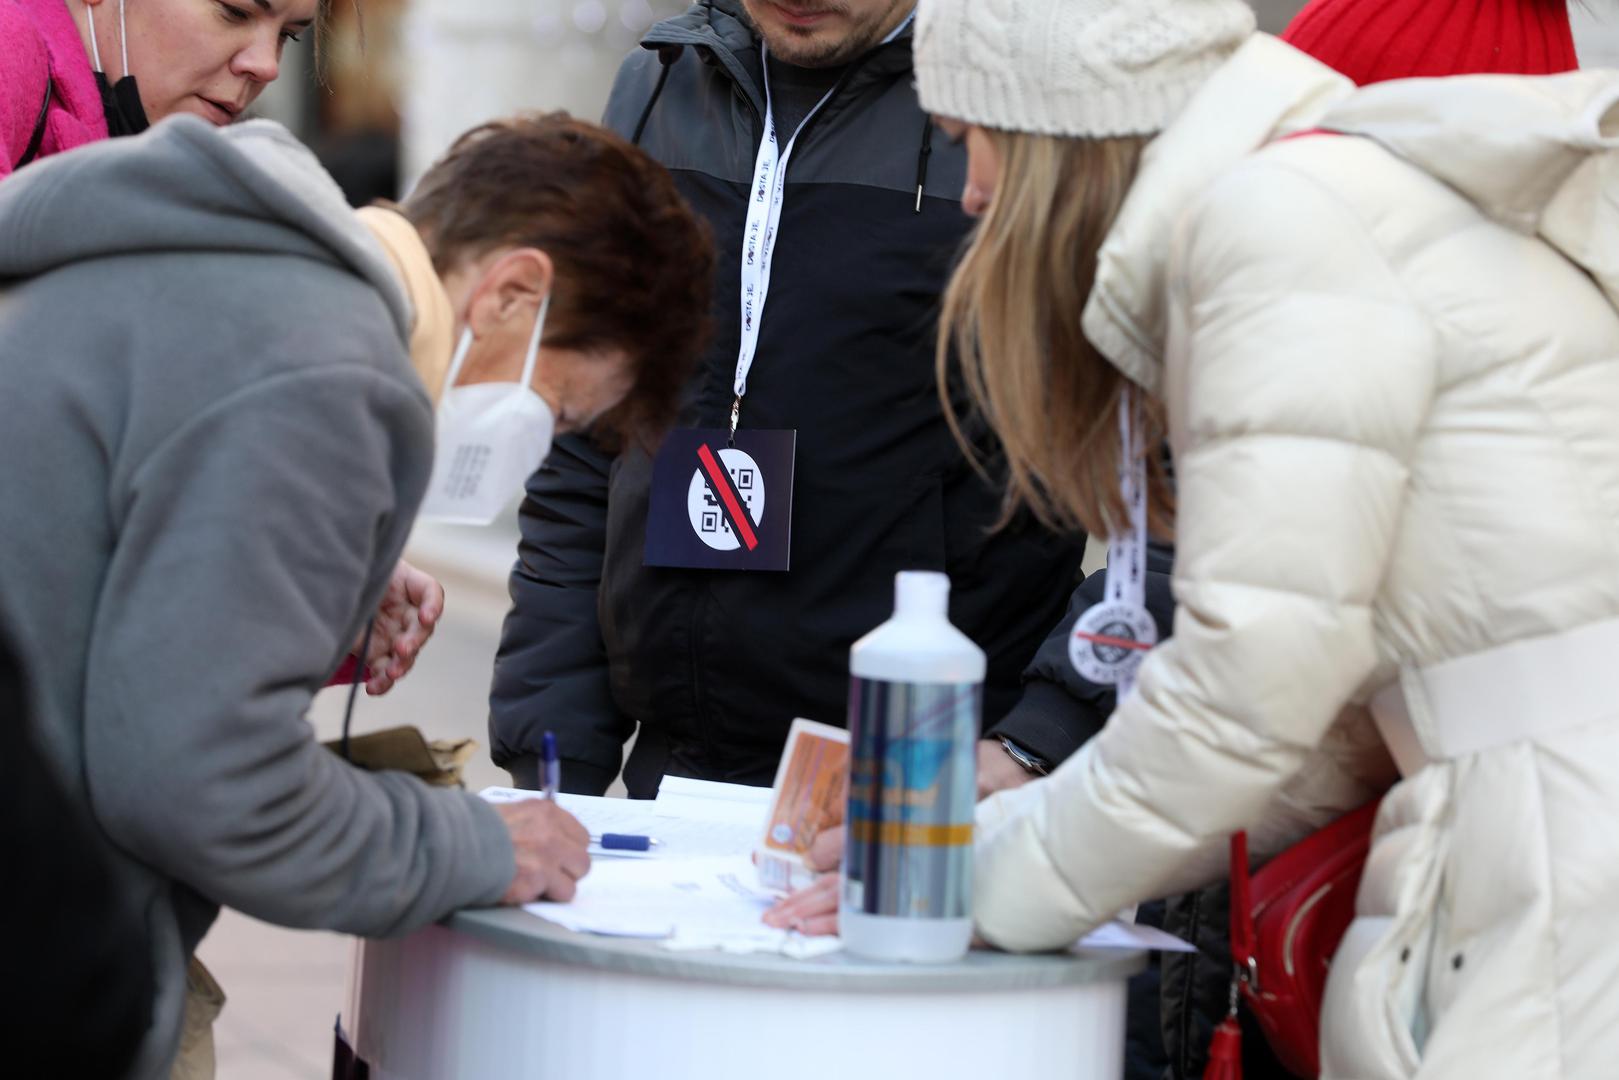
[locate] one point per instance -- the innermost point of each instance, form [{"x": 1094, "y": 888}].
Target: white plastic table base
[{"x": 446, "y": 1005}]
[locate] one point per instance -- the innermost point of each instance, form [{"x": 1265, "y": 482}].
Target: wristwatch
[{"x": 1030, "y": 762}]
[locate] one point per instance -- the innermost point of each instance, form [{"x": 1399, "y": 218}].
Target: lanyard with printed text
[
  {"x": 1111, "y": 639},
  {"x": 763, "y": 221},
  {"x": 722, "y": 498},
  {"x": 759, "y": 235}
]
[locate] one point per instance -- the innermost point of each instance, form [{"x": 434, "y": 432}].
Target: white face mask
[{"x": 491, "y": 438}]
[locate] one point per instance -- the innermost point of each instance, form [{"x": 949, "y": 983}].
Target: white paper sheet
[
  {"x": 715, "y": 903},
  {"x": 700, "y": 903},
  {"x": 701, "y": 828},
  {"x": 698, "y": 888},
  {"x": 1127, "y": 935},
  {"x": 681, "y": 787},
  {"x": 720, "y": 804}
]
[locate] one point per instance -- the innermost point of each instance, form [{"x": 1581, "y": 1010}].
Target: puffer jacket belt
[{"x": 1527, "y": 689}]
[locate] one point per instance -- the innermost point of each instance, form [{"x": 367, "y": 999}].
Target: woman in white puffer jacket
[{"x": 1386, "y": 357}]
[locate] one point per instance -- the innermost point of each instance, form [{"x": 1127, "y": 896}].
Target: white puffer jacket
[{"x": 1391, "y": 363}]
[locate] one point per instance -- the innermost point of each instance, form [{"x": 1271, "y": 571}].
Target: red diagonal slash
[
  {"x": 1118, "y": 643},
  {"x": 722, "y": 487}
]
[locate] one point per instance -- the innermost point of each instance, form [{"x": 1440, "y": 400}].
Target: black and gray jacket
[{"x": 712, "y": 666}]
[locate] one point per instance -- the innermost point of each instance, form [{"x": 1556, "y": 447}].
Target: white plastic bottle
[{"x": 915, "y": 701}]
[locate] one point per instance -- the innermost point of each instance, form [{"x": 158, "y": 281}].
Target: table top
[{"x": 980, "y": 970}]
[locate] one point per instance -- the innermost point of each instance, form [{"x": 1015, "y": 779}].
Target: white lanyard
[
  {"x": 759, "y": 236},
  {"x": 764, "y": 219},
  {"x": 1111, "y": 639},
  {"x": 1127, "y": 552}
]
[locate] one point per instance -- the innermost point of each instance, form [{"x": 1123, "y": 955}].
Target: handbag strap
[
  {"x": 1225, "y": 1045},
  {"x": 38, "y": 139},
  {"x": 1244, "y": 939}
]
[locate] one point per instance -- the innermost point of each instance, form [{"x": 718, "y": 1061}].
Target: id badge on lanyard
[
  {"x": 1112, "y": 638},
  {"x": 723, "y": 500}
]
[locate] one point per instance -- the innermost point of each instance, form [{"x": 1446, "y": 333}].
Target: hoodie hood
[
  {"x": 432, "y": 331},
  {"x": 1537, "y": 155},
  {"x": 187, "y": 186}
]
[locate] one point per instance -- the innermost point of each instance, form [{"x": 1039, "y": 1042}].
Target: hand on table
[
  {"x": 813, "y": 911},
  {"x": 998, "y": 770},
  {"x": 552, "y": 851},
  {"x": 405, "y": 619}
]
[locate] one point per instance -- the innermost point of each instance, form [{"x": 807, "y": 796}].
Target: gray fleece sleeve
[{"x": 247, "y": 542}]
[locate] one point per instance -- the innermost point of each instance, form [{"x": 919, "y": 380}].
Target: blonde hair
[{"x": 1011, "y": 316}]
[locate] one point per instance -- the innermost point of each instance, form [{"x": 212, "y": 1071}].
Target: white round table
[{"x": 504, "y": 995}]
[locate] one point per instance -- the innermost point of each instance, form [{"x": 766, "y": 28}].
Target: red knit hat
[{"x": 1374, "y": 40}]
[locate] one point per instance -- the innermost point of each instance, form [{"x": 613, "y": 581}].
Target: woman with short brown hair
[{"x": 632, "y": 264}]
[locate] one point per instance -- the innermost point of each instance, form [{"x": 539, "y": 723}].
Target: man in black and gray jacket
[{"x": 709, "y": 667}]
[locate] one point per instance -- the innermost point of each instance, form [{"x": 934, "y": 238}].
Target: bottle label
[{"x": 912, "y": 789}]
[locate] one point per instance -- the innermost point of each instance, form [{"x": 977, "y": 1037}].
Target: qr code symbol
[{"x": 718, "y": 504}]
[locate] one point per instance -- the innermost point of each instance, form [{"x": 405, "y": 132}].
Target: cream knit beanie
[{"x": 1089, "y": 68}]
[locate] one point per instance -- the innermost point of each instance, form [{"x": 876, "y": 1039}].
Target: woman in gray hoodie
[{"x": 214, "y": 448}]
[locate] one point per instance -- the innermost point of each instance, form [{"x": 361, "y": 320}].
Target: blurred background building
[
  {"x": 403, "y": 78},
  {"x": 399, "y": 85},
  {"x": 400, "y": 79}
]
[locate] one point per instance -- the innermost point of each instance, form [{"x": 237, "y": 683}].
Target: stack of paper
[
  {"x": 689, "y": 818},
  {"x": 701, "y": 903},
  {"x": 698, "y": 888}
]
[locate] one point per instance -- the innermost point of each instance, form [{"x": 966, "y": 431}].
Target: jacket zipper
[
  {"x": 699, "y": 689},
  {"x": 1189, "y": 994}
]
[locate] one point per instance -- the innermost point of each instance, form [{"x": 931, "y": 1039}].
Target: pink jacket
[{"x": 39, "y": 38}]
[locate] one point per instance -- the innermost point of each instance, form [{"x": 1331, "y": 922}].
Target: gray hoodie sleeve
[{"x": 248, "y": 541}]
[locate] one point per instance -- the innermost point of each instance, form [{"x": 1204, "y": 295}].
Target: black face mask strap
[{"x": 354, "y": 687}]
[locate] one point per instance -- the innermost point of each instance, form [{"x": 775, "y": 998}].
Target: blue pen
[
  {"x": 553, "y": 766},
  {"x": 624, "y": 842}
]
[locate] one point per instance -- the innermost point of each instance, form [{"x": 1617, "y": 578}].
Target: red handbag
[{"x": 1286, "y": 922}]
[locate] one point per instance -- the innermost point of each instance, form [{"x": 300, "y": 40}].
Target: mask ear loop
[
  {"x": 458, "y": 358},
  {"x": 95, "y": 49},
  {"x": 533, "y": 355},
  {"x": 123, "y": 40}
]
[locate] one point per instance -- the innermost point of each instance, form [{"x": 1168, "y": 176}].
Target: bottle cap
[{"x": 922, "y": 592}]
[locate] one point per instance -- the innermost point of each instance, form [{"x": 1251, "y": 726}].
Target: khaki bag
[{"x": 204, "y": 1001}]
